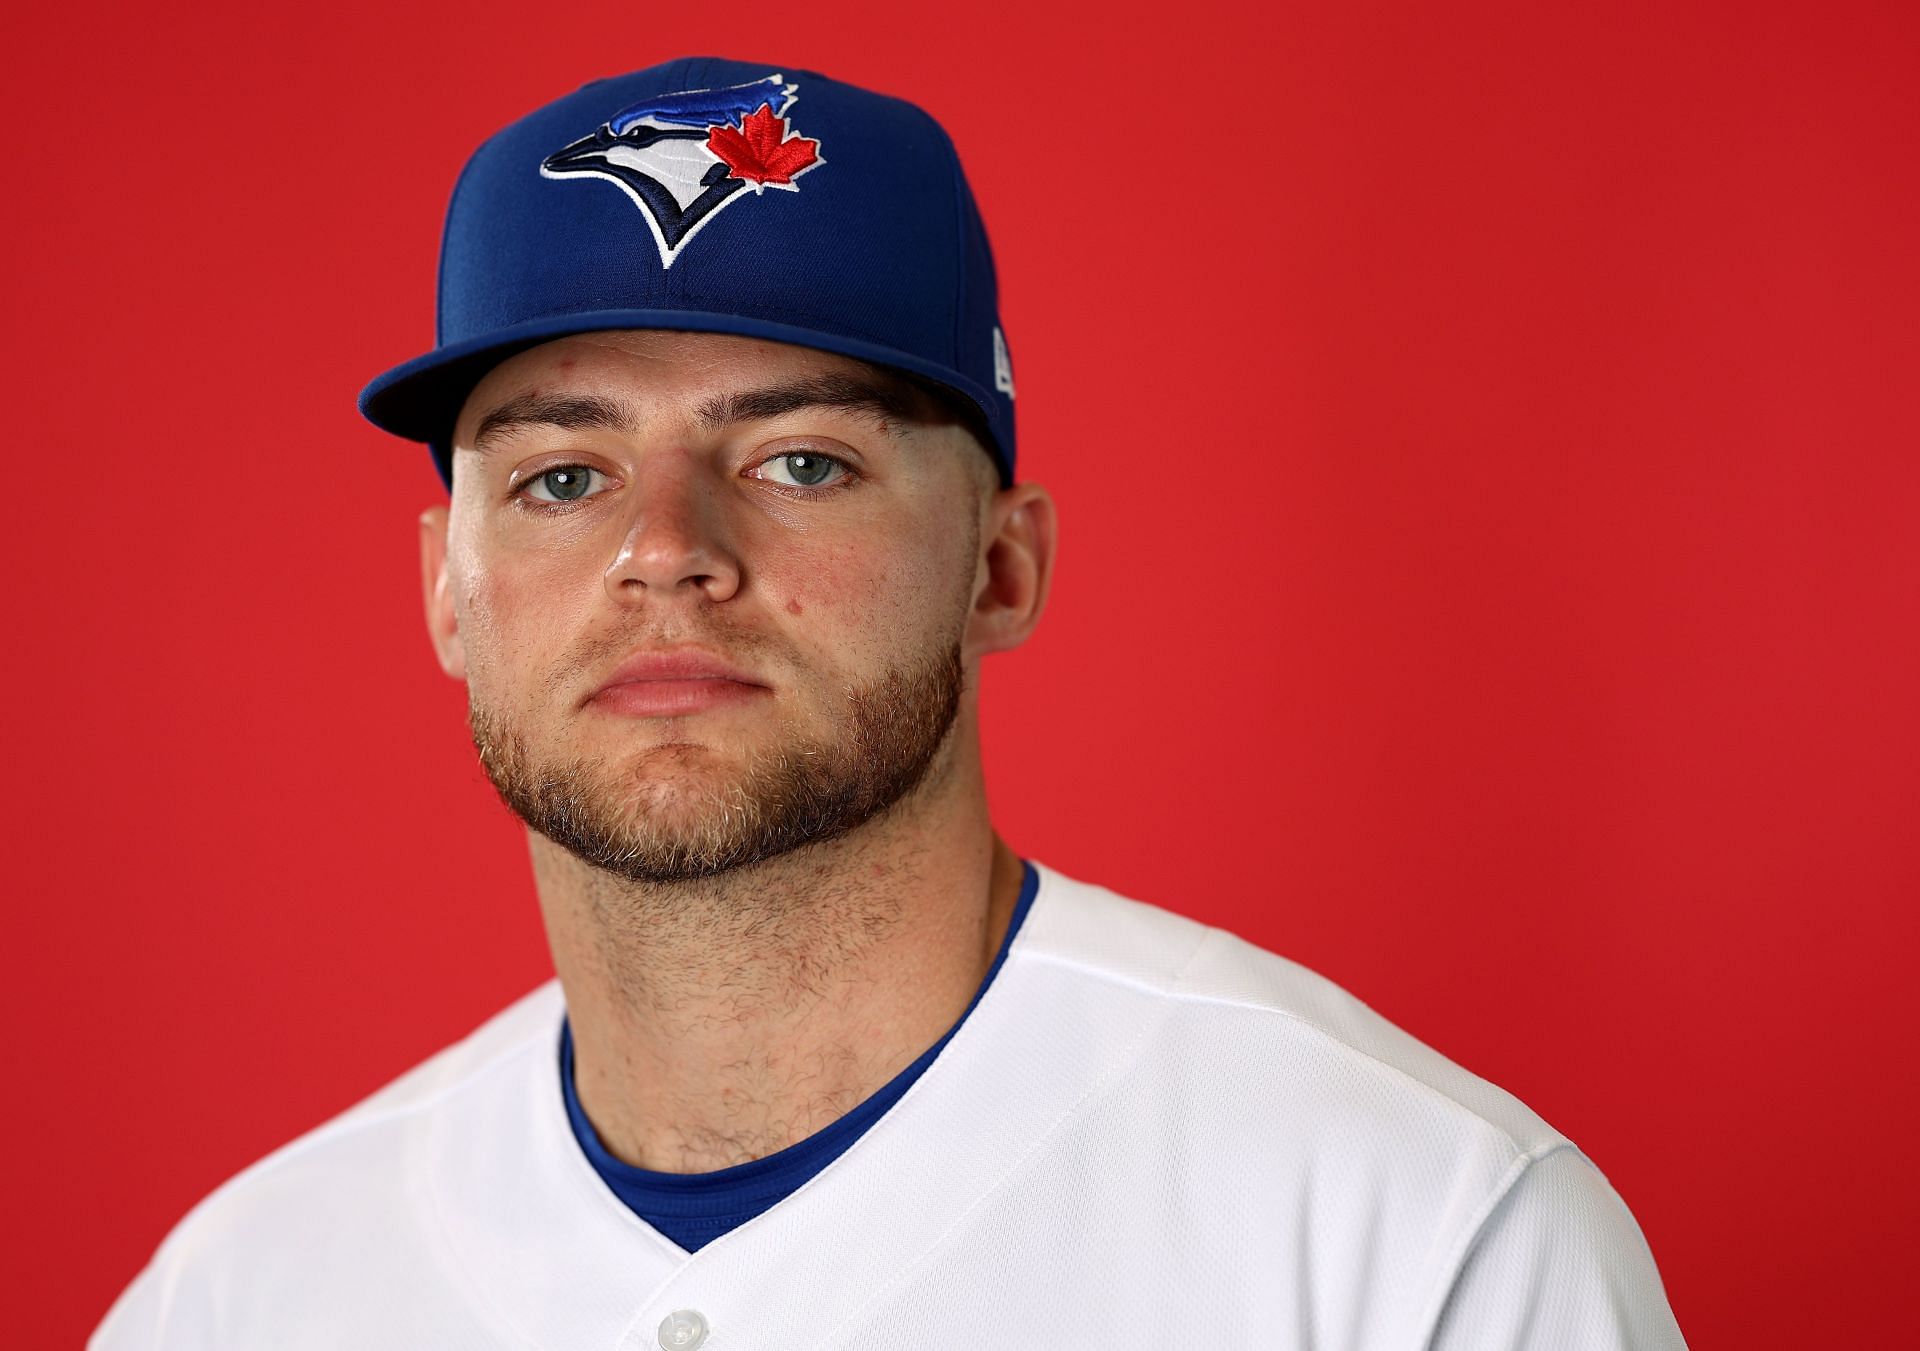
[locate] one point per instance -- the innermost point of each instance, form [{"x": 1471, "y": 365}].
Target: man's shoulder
[
  {"x": 377, "y": 1123},
  {"x": 328, "y": 1189},
  {"x": 1283, "y": 1028},
  {"x": 529, "y": 1024}
]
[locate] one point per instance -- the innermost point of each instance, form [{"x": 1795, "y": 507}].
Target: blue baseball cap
[{"x": 713, "y": 196}]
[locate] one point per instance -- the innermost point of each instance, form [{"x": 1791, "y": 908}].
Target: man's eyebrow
[
  {"x": 553, "y": 410},
  {"x": 884, "y": 400}
]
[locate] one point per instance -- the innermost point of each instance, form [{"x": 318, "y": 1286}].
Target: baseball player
[{"x": 725, "y": 411}]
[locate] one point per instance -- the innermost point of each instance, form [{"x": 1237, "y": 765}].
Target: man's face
[{"x": 710, "y": 594}]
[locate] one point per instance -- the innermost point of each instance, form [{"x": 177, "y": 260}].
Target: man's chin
[
  {"x": 686, "y": 805},
  {"x": 675, "y": 812}
]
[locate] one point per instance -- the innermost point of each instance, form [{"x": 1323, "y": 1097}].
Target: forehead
[{"x": 653, "y": 368}]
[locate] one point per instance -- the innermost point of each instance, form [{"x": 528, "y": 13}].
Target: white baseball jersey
[{"x": 1148, "y": 1133}]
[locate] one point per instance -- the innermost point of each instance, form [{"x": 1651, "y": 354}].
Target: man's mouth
[{"x": 674, "y": 682}]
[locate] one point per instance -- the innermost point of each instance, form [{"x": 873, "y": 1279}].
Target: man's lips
[{"x": 673, "y": 683}]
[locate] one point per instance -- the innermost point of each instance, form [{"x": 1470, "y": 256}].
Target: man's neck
[{"x": 719, "y": 1021}]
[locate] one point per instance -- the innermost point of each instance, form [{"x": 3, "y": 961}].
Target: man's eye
[
  {"x": 802, "y": 469},
  {"x": 562, "y": 483}
]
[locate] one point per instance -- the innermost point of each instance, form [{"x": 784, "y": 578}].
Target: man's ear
[
  {"x": 442, "y": 625},
  {"x": 1017, "y": 545}
]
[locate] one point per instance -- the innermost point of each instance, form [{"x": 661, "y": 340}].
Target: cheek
[
  {"x": 868, "y": 595},
  {"x": 837, "y": 579},
  {"x": 512, "y": 622},
  {"x": 835, "y": 584}
]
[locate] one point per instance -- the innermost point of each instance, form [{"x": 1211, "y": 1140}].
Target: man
[{"x": 726, "y": 414}]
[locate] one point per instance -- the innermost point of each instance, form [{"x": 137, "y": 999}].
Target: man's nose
[{"x": 676, "y": 539}]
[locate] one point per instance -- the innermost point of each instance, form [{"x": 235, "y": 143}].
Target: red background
[{"x": 1487, "y": 446}]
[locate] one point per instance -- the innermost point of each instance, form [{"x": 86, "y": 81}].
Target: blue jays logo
[{"x": 681, "y": 157}]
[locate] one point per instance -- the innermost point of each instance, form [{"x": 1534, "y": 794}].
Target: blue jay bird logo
[{"x": 681, "y": 157}]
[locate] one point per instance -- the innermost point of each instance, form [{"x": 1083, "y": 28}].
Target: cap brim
[{"x": 421, "y": 398}]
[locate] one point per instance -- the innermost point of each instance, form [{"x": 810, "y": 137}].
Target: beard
[{"x": 673, "y": 822}]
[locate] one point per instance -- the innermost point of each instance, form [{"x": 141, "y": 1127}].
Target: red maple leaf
[{"x": 763, "y": 150}]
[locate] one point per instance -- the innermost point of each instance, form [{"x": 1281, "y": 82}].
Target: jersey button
[{"x": 682, "y": 1330}]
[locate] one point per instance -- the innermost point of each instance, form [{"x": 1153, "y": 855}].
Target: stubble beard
[{"x": 668, "y": 820}]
